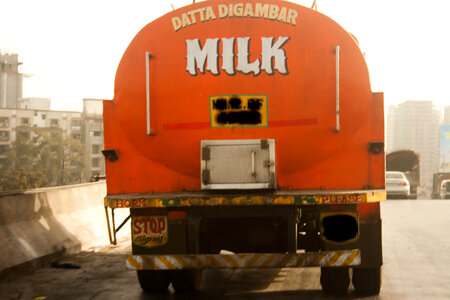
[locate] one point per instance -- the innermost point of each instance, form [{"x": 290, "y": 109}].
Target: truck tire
[
  {"x": 335, "y": 280},
  {"x": 186, "y": 280},
  {"x": 153, "y": 281},
  {"x": 367, "y": 281}
]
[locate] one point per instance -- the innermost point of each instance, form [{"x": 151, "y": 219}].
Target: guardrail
[{"x": 41, "y": 225}]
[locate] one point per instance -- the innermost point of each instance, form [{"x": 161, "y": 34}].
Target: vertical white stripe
[
  {"x": 338, "y": 50},
  {"x": 147, "y": 85},
  {"x": 341, "y": 259}
]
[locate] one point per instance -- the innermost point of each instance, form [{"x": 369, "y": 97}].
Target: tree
[
  {"x": 42, "y": 160},
  {"x": 19, "y": 179},
  {"x": 20, "y": 170},
  {"x": 70, "y": 159}
]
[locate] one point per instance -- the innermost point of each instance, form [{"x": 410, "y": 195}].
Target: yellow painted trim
[
  {"x": 325, "y": 198},
  {"x": 350, "y": 259},
  {"x": 375, "y": 196}
]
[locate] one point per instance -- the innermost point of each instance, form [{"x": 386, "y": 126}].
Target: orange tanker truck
[{"x": 250, "y": 127}]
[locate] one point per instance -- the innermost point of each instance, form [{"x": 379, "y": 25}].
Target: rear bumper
[
  {"x": 398, "y": 193},
  {"x": 444, "y": 194},
  {"x": 246, "y": 260},
  {"x": 272, "y": 230}
]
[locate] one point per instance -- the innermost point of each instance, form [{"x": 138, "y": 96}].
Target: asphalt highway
[{"x": 416, "y": 248}]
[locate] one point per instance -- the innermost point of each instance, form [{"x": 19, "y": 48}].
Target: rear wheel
[
  {"x": 334, "y": 280},
  {"x": 153, "y": 281},
  {"x": 186, "y": 280},
  {"x": 367, "y": 281}
]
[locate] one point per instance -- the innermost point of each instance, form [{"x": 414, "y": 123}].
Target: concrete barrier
[{"x": 39, "y": 226}]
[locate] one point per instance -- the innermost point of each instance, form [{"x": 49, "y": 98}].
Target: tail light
[{"x": 403, "y": 184}]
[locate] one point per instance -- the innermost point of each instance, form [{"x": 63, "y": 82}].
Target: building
[
  {"x": 10, "y": 80},
  {"x": 29, "y": 122},
  {"x": 35, "y": 115},
  {"x": 447, "y": 115},
  {"x": 34, "y": 103},
  {"x": 93, "y": 136},
  {"x": 28, "y": 116},
  {"x": 444, "y": 148},
  {"x": 414, "y": 125}
]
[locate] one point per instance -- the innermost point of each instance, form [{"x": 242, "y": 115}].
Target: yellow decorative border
[{"x": 332, "y": 198}]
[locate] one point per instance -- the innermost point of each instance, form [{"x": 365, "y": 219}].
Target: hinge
[
  {"x": 271, "y": 180},
  {"x": 205, "y": 176},
  {"x": 264, "y": 144},
  {"x": 206, "y": 153}
]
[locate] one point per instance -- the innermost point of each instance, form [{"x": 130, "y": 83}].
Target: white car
[
  {"x": 445, "y": 189},
  {"x": 397, "y": 185}
]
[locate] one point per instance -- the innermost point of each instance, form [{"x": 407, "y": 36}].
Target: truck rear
[{"x": 246, "y": 135}]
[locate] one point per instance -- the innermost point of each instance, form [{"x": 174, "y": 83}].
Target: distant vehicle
[
  {"x": 438, "y": 178},
  {"x": 408, "y": 162},
  {"x": 445, "y": 189},
  {"x": 397, "y": 185}
]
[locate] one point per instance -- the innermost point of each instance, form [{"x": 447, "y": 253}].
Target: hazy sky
[{"x": 72, "y": 48}]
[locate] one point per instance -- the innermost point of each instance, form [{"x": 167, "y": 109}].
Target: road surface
[{"x": 416, "y": 246}]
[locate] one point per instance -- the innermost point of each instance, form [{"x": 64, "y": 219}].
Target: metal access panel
[{"x": 238, "y": 164}]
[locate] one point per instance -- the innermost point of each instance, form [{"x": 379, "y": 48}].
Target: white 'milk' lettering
[{"x": 199, "y": 57}]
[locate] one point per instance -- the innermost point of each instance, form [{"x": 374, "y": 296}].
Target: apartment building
[
  {"x": 447, "y": 115},
  {"x": 27, "y": 122},
  {"x": 11, "y": 80},
  {"x": 444, "y": 142},
  {"x": 93, "y": 136},
  {"x": 35, "y": 114},
  {"x": 24, "y": 116}
]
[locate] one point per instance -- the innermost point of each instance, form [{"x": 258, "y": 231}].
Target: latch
[{"x": 268, "y": 163}]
